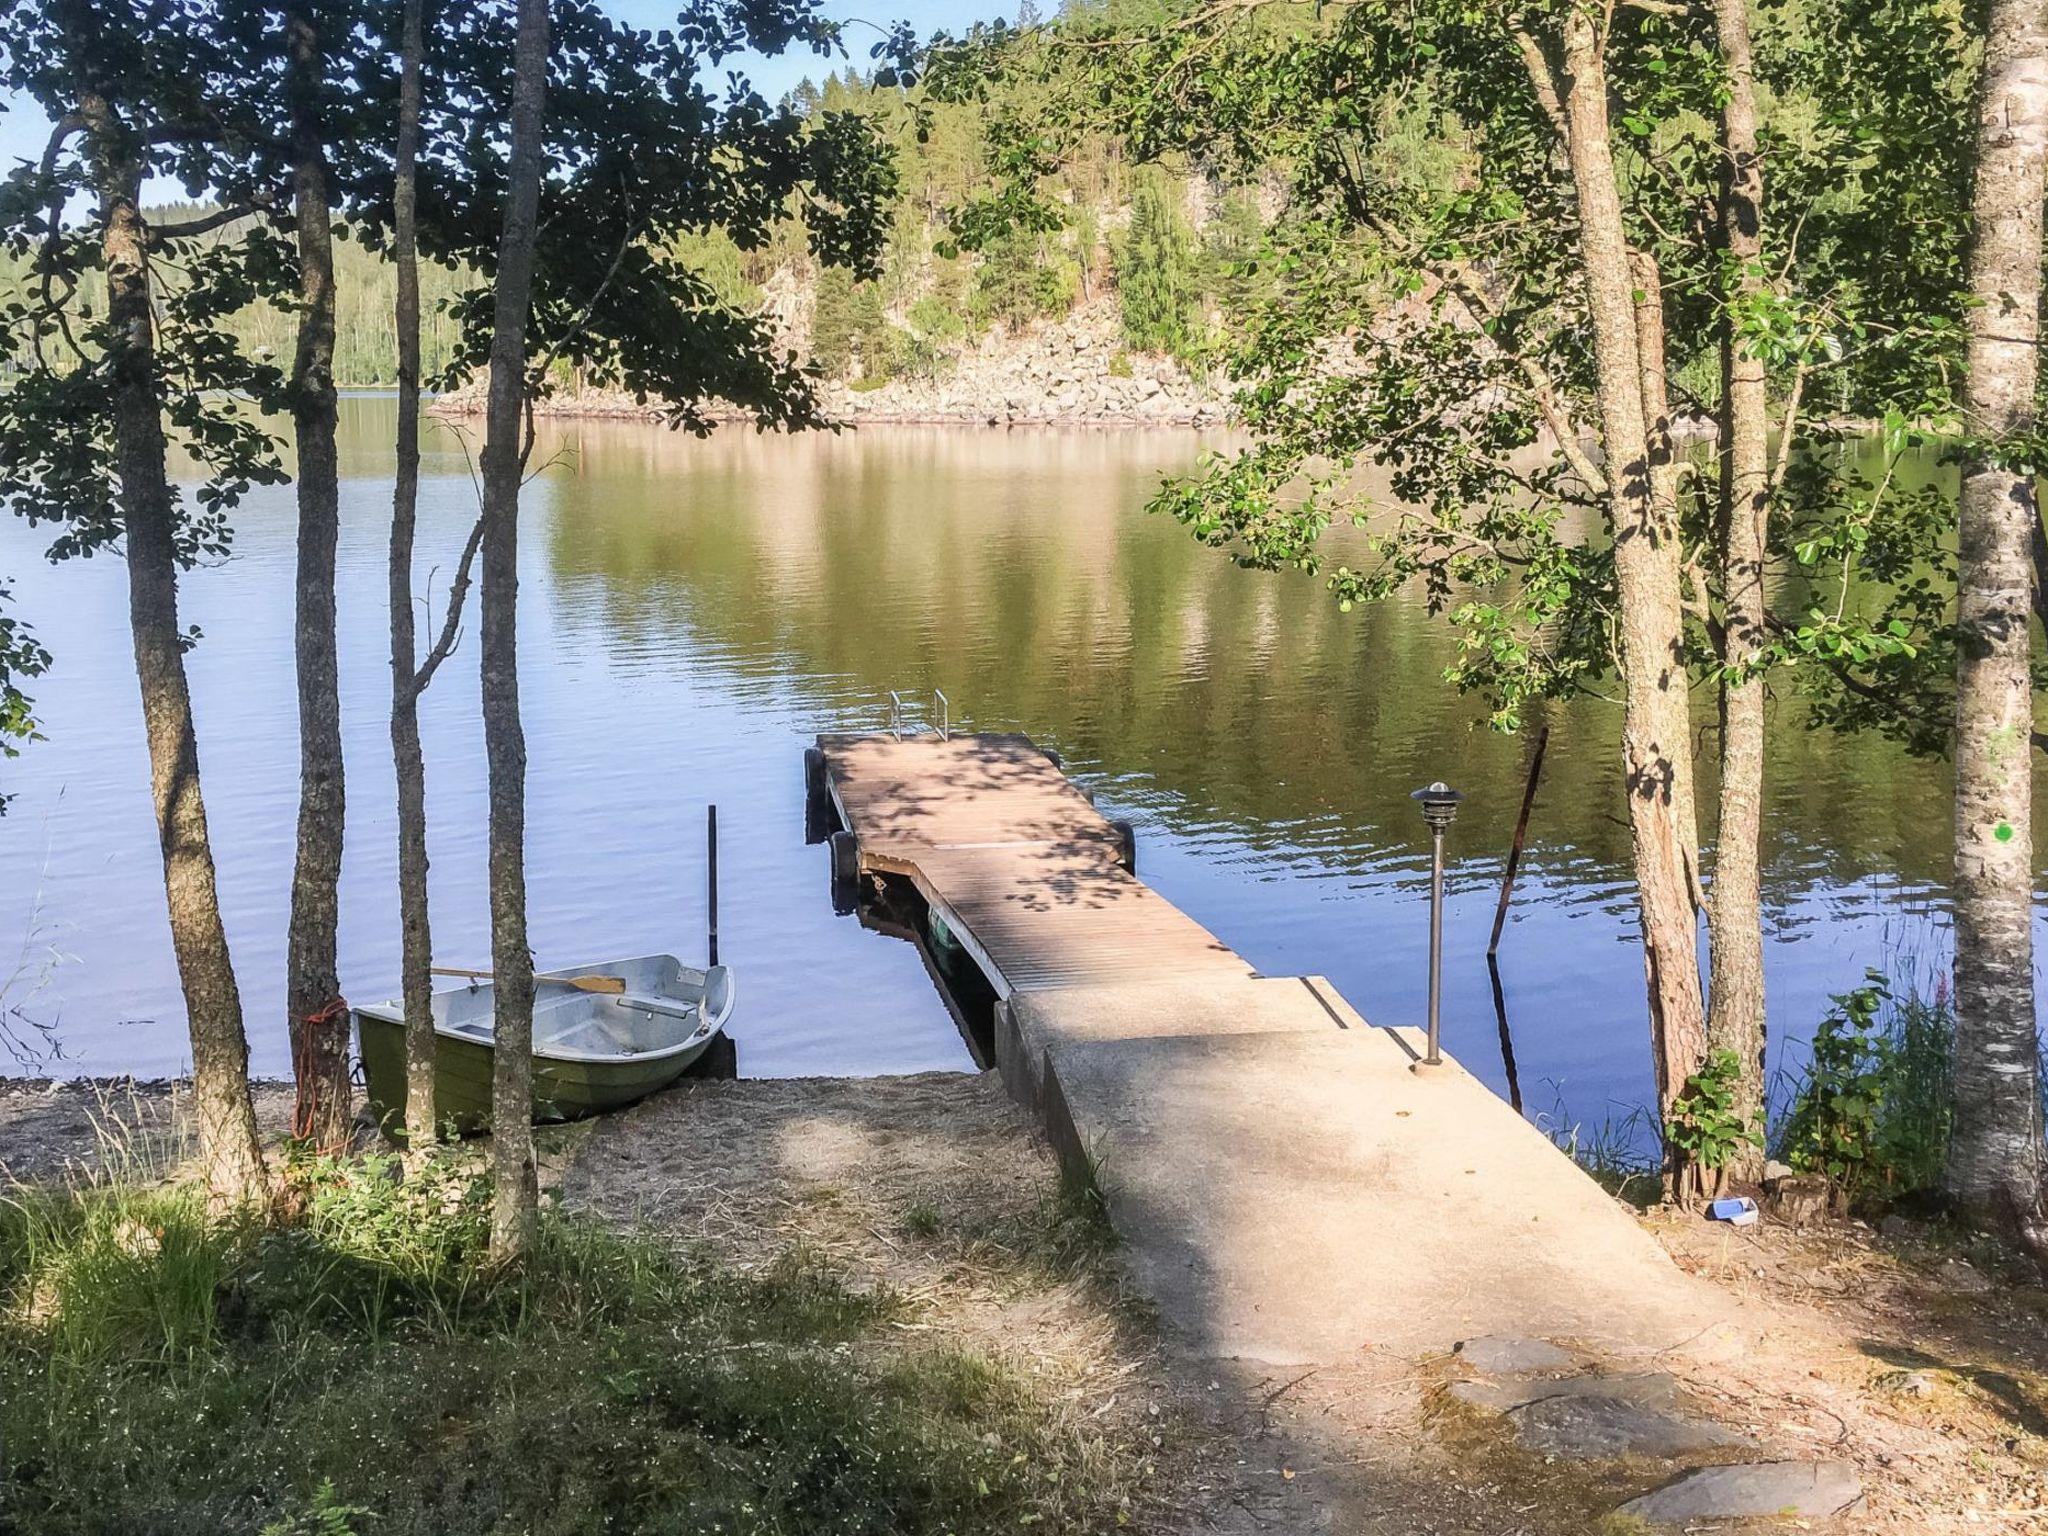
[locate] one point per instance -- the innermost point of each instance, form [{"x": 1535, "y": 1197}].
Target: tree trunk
[
  {"x": 231, "y": 1156},
  {"x": 416, "y": 956},
  {"x": 1995, "y": 1158},
  {"x": 515, "y": 1208},
  {"x": 317, "y": 1016},
  {"x": 1735, "y": 1020},
  {"x": 1656, "y": 746}
]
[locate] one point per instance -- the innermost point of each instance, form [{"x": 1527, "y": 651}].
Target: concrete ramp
[{"x": 1291, "y": 1189}]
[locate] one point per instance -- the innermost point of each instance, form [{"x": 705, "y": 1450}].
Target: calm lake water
[{"x": 694, "y": 612}]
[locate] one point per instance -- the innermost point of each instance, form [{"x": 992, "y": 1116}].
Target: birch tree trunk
[
  {"x": 514, "y": 1212},
  {"x": 1656, "y": 745},
  {"x": 416, "y": 942},
  {"x": 231, "y": 1156},
  {"x": 318, "y": 1019},
  {"x": 1735, "y": 1020},
  {"x": 1995, "y": 1158}
]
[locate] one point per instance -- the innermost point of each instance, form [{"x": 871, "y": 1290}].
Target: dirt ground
[
  {"x": 55, "y": 1130},
  {"x": 1921, "y": 1359}
]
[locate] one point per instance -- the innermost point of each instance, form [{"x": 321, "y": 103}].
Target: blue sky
[{"x": 23, "y": 128}]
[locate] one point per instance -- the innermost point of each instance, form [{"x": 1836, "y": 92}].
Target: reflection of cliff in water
[{"x": 1016, "y": 571}]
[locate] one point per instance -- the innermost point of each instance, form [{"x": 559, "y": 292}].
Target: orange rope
[{"x": 309, "y": 1055}]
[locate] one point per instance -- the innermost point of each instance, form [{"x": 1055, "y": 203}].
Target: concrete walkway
[
  {"x": 1290, "y": 1184},
  {"x": 1292, "y": 1188},
  {"x": 1296, "y": 1193}
]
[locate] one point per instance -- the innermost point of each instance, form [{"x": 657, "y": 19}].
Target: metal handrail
[
  {"x": 895, "y": 714},
  {"x": 945, "y": 713}
]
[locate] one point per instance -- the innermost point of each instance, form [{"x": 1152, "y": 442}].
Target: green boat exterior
[{"x": 593, "y": 1052}]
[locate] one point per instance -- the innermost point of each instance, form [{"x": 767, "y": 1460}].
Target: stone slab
[
  {"x": 1493, "y": 1355},
  {"x": 1647, "y": 1389},
  {"x": 1751, "y": 1490},
  {"x": 1594, "y": 1426}
]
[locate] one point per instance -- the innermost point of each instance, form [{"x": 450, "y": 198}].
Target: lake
[{"x": 694, "y": 612}]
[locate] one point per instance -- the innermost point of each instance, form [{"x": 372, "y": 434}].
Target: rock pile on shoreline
[{"x": 1071, "y": 372}]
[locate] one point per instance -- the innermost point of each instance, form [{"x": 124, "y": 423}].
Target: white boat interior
[{"x": 667, "y": 1007}]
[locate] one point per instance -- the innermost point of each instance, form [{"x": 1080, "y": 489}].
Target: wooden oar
[{"x": 616, "y": 985}]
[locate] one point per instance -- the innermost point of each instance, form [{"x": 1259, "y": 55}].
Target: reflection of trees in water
[{"x": 1014, "y": 571}]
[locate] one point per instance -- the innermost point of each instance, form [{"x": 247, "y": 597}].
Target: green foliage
[
  {"x": 1415, "y": 317},
  {"x": 325, "y": 1516},
  {"x": 368, "y": 1371},
  {"x": 1019, "y": 281},
  {"x": 722, "y": 265},
  {"x": 1157, "y": 276},
  {"x": 1704, "y": 1122},
  {"x": 1232, "y": 270},
  {"x": 850, "y": 330},
  {"x": 21, "y": 658},
  {"x": 832, "y": 323},
  {"x": 925, "y": 347},
  {"x": 1873, "y": 1111},
  {"x": 365, "y": 328}
]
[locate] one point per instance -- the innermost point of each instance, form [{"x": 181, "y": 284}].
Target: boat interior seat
[{"x": 668, "y": 1007}]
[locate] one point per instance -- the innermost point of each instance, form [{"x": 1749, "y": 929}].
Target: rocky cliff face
[{"x": 1069, "y": 371}]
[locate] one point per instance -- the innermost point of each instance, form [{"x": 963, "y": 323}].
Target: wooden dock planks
[{"x": 1019, "y": 863}]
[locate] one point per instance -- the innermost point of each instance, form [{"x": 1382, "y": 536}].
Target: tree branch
[
  {"x": 205, "y": 224},
  {"x": 451, "y": 622},
  {"x": 1543, "y": 79},
  {"x": 1542, "y": 389}
]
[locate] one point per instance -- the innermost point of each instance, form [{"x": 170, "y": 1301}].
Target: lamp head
[{"x": 1439, "y": 803}]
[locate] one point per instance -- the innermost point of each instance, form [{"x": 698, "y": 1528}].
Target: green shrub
[
  {"x": 934, "y": 320},
  {"x": 1704, "y": 1123},
  {"x": 1873, "y": 1110}
]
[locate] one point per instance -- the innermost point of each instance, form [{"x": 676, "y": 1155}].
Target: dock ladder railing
[{"x": 899, "y": 709}]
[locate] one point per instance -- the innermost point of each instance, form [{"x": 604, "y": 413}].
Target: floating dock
[
  {"x": 1034, "y": 881},
  {"x": 1291, "y": 1183}
]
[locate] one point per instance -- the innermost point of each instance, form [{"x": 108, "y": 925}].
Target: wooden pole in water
[
  {"x": 1507, "y": 884},
  {"x": 711, "y": 842}
]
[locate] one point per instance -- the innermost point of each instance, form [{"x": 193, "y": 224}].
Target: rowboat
[{"x": 603, "y": 1036}]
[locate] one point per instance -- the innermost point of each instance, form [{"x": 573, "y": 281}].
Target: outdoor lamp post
[{"x": 1439, "y": 804}]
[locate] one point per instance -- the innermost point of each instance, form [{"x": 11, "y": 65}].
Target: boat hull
[{"x": 562, "y": 1090}]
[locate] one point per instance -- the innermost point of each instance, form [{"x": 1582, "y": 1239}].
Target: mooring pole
[
  {"x": 1507, "y": 1039},
  {"x": 1439, "y": 804},
  {"x": 1507, "y": 884},
  {"x": 711, "y": 842}
]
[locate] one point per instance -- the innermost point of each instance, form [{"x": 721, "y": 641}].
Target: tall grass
[
  {"x": 1871, "y": 1107},
  {"x": 366, "y": 1369},
  {"x": 1611, "y": 1149}
]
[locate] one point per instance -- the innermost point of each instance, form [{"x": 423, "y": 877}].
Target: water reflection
[{"x": 694, "y": 611}]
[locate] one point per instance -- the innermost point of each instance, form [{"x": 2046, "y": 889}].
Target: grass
[{"x": 365, "y": 1370}]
